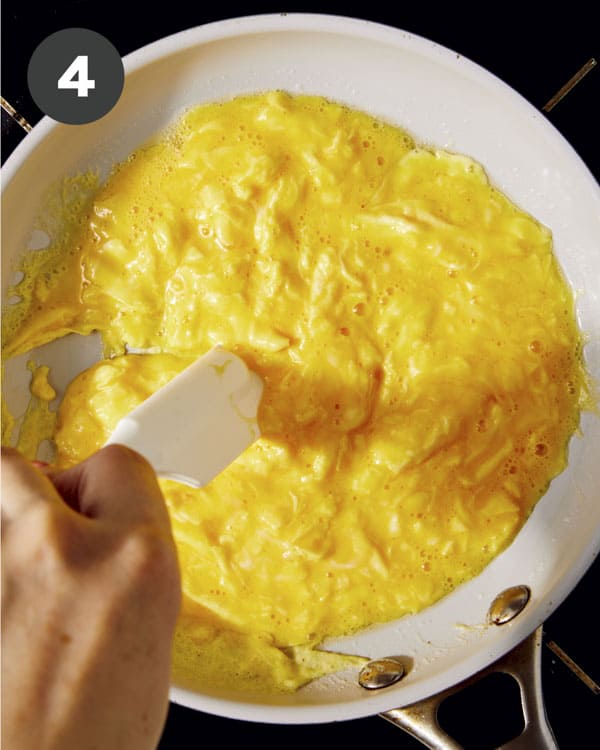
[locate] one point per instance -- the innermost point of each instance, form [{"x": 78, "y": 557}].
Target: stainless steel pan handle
[{"x": 523, "y": 663}]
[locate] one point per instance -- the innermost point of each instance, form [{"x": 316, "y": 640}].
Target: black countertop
[{"x": 534, "y": 51}]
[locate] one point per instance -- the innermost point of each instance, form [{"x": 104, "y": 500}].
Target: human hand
[{"x": 90, "y": 596}]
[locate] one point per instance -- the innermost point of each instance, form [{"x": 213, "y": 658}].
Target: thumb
[{"x": 114, "y": 484}]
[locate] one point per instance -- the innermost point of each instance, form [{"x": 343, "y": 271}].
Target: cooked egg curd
[{"x": 417, "y": 341}]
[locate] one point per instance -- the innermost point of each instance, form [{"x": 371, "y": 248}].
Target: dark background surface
[{"x": 534, "y": 51}]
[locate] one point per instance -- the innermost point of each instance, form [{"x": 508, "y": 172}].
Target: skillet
[{"x": 385, "y": 71}]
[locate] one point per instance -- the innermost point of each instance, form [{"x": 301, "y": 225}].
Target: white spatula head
[{"x": 199, "y": 422}]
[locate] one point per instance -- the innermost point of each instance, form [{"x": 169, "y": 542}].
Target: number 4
[{"x": 76, "y": 77}]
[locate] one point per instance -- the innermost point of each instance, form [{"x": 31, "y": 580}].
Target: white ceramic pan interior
[{"x": 442, "y": 99}]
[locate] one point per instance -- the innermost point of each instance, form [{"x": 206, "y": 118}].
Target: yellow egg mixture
[{"x": 422, "y": 367}]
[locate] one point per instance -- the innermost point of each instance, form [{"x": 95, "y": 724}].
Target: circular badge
[{"x": 75, "y": 76}]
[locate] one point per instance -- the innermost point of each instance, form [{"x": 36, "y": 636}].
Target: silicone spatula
[{"x": 199, "y": 422}]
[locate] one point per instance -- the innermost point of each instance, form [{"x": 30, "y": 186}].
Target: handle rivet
[
  {"x": 381, "y": 673},
  {"x": 508, "y": 604}
]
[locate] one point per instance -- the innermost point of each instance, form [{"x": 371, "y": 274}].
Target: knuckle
[
  {"x": 122, "y": 455},
  {"x": 58, "y": 534},
  {"x": 151, "y": 561},
  {"x": 46, "y": 538}
]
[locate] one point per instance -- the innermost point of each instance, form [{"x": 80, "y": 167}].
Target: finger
[
  {"x": 40, "y": 464},
  {"x": 115, "y": 483},
  {"x": 23, "y": 485}
]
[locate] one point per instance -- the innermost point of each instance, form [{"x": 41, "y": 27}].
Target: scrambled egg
[{"x": 422, "y": 366}]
